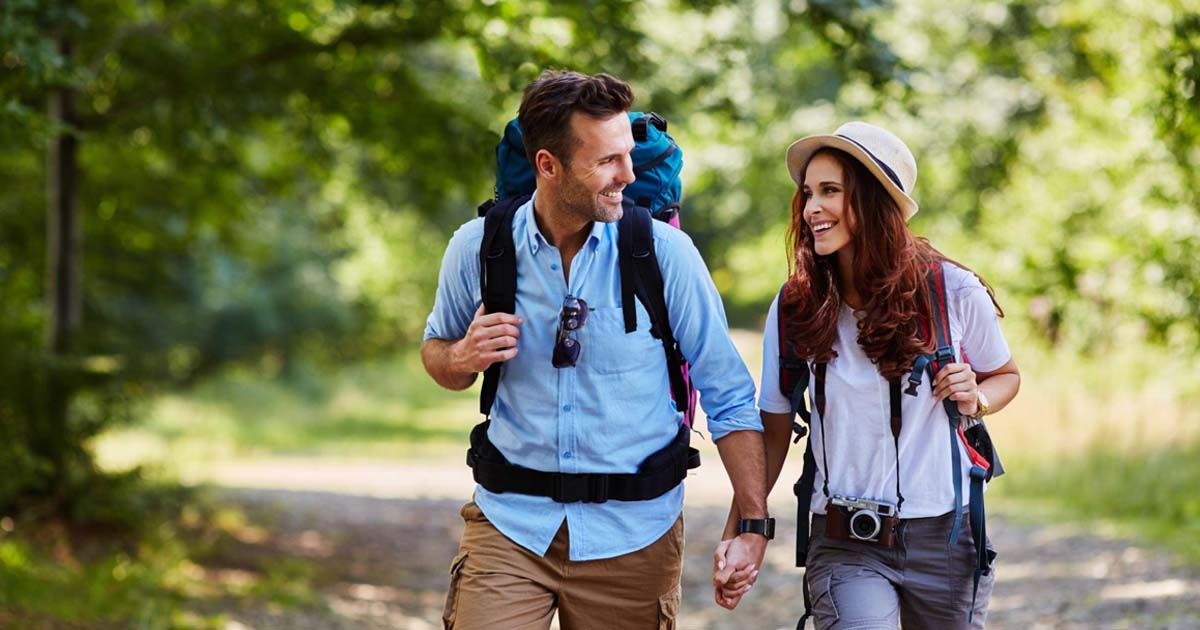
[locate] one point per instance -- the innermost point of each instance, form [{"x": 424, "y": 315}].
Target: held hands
[
  {"x": 491, "y": 337},
  {"x": 736, "y": 564},
  {"x": 956, "y": 381}
]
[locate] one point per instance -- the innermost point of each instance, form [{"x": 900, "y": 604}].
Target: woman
[{"x": 858, "y": 311}]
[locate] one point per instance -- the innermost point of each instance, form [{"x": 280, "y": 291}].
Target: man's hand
[
  {"x": 736, "y": 563},
  {"x": 491, "y": 337}
]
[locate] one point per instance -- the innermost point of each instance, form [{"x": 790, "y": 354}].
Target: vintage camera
[{"x": 862, "y": 521}]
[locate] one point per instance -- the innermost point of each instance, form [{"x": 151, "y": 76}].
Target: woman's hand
[
  {"x": 730, "y": 585},
  {"x": 957, "y": 382}
]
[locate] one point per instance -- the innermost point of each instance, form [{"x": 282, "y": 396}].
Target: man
[{"x": 600, "y": 564}]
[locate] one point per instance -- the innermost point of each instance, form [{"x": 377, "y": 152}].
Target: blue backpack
[{"x": 657, "y": 162}]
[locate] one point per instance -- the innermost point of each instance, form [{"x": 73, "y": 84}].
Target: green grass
[
  {"x": 171, "y": 573},
  {"x": 1112, "y": 440},
  {"x": 1153, "y": 495},
  {"x": 386, "y": 408}
]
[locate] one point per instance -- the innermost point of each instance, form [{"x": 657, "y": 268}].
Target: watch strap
[
  {"x": 762, "y": 526},
  {"x": 982, "y": 402}
]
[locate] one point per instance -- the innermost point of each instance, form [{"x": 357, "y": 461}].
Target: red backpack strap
[{"x": 944, "y": 354}]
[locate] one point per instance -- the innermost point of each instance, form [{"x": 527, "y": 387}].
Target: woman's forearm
[{"x": 999, "y": 386}]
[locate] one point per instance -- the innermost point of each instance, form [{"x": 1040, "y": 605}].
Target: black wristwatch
[{"x": 762, "y": 526}]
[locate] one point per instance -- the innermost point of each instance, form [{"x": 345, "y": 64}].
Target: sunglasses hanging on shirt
[{"x": 566, "y": 346}]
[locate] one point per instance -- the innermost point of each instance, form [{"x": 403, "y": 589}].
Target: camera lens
[{"x": 864, "y": 525}]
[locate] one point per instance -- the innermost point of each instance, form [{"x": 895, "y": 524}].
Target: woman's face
[{"x": 825, "y": 205}]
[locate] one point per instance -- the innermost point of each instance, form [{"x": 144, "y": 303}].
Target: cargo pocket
[
  {"x": 823, "y": 607},
  {"x": 451, "y": 610},
  {"x": 668, "y": 609}
]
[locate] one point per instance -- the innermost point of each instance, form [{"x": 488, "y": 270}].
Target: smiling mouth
[
  {"x": 613, "y": 195},
  {"x": 821, "y": 228}
]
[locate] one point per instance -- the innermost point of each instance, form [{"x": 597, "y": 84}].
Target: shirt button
[
  {"x": 566, "y": 407},
  {"x": 554, "y": 267},
  {"x": 567, "y": 454}
]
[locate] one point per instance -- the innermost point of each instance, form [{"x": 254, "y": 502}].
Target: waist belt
[{"x": 660, "y": 472}]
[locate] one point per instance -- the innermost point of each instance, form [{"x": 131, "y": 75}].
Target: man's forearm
[
  {"x": 438, "y": 357},
  {"x": 743, "y": 454},
  {"x": 776, "y": 436}
]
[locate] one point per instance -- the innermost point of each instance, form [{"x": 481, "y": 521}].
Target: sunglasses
[{"x": 572, "y": 317}]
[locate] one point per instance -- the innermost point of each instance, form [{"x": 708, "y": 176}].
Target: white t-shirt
[{"x": 861, "y": 452}]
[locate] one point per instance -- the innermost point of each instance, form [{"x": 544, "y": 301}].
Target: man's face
[{"x": 600, "y": 168}]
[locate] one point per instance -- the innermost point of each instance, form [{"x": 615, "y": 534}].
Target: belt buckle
[
  {"x": 570, "y": 488},
  {"x": 597, "y": 489}
]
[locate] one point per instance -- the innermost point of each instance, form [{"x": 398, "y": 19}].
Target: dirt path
[{"x": 381, "y": 560}]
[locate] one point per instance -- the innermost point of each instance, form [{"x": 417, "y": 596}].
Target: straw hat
[{"x": 878, "y": 149}]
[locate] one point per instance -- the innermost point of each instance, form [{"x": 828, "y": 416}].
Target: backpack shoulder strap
[
  {"x": 943, "y": 354},
  {"x": 636, "y": 258},
  {"x": 793, "y": 369},
  {"x": 793, "y": 383},
  {"x": 497, "y": 278},
  {"x": 641, "y": 279}
]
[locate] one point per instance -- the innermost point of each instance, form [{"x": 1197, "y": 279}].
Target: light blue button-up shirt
[{"x": 614, "y": 408}]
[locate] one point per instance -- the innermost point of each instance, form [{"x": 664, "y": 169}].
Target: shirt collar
[{"x": 534, "y": 235}]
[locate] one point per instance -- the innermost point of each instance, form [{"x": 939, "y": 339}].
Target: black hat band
[{"x": 886, "y": 169}]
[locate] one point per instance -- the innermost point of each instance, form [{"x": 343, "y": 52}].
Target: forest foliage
[{"x": 272, "y": 181}]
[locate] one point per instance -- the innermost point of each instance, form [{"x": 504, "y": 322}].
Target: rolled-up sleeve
[
  {"x": 457, "y": 295},
  {"x": 699, "y": 325}
]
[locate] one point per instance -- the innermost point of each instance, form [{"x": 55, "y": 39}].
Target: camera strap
[
  {"x": 896, "y": 423},
  {"x": 819, "y": 400}
]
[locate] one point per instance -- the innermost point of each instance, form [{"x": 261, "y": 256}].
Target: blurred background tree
[{"x": 193, "y": 185}]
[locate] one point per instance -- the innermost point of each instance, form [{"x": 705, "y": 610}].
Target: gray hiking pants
[{"x": 924, "y": 582}]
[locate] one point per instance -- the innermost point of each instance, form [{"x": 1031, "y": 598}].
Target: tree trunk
[{"x": 63, "y": 242}]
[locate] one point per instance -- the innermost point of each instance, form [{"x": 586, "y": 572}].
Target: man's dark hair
[{"x": 546, "y": 108}]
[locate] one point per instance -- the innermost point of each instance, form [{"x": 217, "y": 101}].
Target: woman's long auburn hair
[{"x": 890, "y": 264}]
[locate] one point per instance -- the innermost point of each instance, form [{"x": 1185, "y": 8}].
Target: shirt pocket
[{"x": 609, "y": 350}]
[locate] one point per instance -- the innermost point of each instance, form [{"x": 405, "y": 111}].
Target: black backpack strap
[
  {"x": 641, "y": 277},
  {"x": 497, "y": 279},
  {"x": 656, "y": 475},
  {"x": 807, "y": 480},
  {"x": 793, "y": 383},
  {"x": 804, "y": 591}
]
